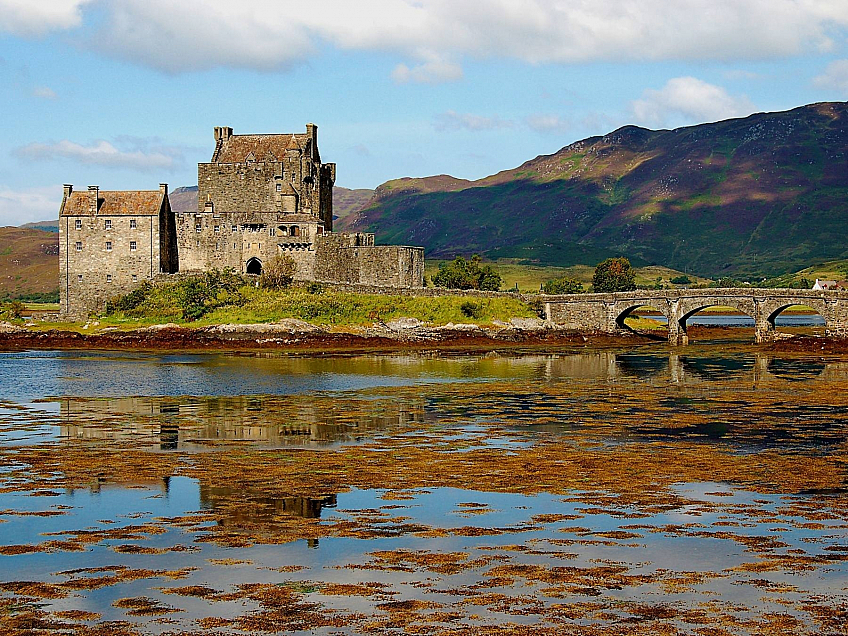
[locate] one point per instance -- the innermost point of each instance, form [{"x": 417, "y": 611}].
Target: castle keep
[{"x": 259, "y": 196}]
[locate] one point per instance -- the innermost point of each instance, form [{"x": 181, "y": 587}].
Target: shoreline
[{"x": 454, "y": 338}]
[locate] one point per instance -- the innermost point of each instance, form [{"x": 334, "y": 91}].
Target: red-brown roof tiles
[
  {"x": 115, "y": 203},
  {"x": 238, "y": 147}
]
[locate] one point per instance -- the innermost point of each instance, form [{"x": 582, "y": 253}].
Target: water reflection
[{"x": 265, "y": 421}]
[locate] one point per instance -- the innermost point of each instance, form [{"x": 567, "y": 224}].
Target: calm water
[{"x": 603, "y": 491}]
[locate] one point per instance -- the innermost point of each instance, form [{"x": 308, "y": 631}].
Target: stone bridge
[{"x": 607, "y": 312}]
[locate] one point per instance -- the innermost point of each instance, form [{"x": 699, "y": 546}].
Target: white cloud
[
  {"x": 688, "y": 100},
  {"x": 435, "y": 35},
  {"x": 29, "y": 205},
  {"x": 102, "y": 153},
  {"x": 44, "y": 92},
  {"x": 835, "y": 76},
  {"x": 453, "y": 121},
  {"x": 37, "y": 17},
  {"x": 546, "y": 123},
  {"x": 432, "y": 72}
]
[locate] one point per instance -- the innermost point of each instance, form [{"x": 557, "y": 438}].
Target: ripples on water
[{"x": 599, "y": 492}]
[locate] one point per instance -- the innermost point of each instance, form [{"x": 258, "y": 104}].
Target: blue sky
[{"x": 125, "y": 93}]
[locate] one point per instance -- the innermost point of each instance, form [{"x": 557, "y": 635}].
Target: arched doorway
[{"x": 254, "y": 266}]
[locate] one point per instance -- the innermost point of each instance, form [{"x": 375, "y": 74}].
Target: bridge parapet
[{"x": 607, "y": 312}]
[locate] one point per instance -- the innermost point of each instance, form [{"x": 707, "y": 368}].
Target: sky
[{"x": 125, "y": 94}]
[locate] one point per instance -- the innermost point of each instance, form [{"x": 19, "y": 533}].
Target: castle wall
[
  {"x": 84, "y": 284},
  {"x": 353, "y": 259}
]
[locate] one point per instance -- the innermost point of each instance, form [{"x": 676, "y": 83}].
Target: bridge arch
[
  {"x": 625, "y": 310},
  {"x": 688, "y": 307}
]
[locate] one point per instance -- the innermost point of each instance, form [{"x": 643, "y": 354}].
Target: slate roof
[
  {"x": 238, "y": 147},
  {"x": 115, "y": 203}
]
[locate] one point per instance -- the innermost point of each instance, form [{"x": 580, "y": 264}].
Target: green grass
[{"x": 327, "y": 308}]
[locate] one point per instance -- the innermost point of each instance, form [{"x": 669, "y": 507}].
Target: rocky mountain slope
[
  {"x": 757, "y": 196},
  {"x": 29, "y": 262}
]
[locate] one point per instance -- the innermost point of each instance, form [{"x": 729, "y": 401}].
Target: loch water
[{"x": 697, "y": 490}]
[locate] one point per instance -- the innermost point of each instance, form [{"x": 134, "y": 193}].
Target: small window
[
  {"x": 108, "y": 278},
  {"x": 78, "y": 246},
  {"x": 279, "y": 187},
  {"x": 217, "y": 245},
  {"x": 135, "y": 278},
  {"x": 235, "y": 228},
  {"x": 78, "y": 224},
  {"x": 234, "y": 246},
  {"x": 107, "y": 224},
  {"x": 198, "y": 227},
  {"x": 133, "y": 246},
  {"x": 198, "y": 243},
  {"x": 108, "y": 246},
  {"x": 132, "y": 224},
  {"x": 79, "y": 278},
  {"x": 272, "y": 231},
  {"x": 217, "y": 228}
]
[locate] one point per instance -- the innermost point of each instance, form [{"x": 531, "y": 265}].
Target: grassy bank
[{"x": 180, "y": 303}]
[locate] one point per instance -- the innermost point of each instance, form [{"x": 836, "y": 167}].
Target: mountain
[
  {"x": 757, "y": 196},
  {"x": 183, "y": 199},
  {"x": 346, "y": 201},
  {"x": 29, "y": 262},
  {"x": 47, "y": 226}
]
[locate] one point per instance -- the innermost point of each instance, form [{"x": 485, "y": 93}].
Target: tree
[
  {"x": 683, "y": 279},
  {"x": 461, "y": 273},
  {"x": 563, "y": 286},
  {"x": 614, "y": 275},
  {"x": 278, "y": 272}
]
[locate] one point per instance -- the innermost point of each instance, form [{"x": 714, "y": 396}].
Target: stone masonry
[
  {"x": 260, "y": 196},
  {"x": 607, "y": 312},
  {"x": 109, "y": 242}
]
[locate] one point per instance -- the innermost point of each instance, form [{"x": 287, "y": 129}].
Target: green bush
[
  {"x": 614, "y": 275},
  {"x": 563, "y": 286},
  {"x": 278, "y": 272},
  {"x": 461, "y": 273},
  {"x": 680, "y": 280},
  {"x": 471, "y": 309},
  {"x": 12, "y": 310}
]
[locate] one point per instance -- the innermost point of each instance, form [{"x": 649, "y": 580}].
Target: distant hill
[
  {"x": 183, "y": 199},
  {"x": 346, "y": 202},
  {"x": 758, "y": 196},
  {"x": 29, "y": 262},
  {"x": 47, "y": 226}
]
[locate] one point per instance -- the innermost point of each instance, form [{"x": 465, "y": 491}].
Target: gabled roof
[
  {"x": 236, "y": 148},
  {"x": 115, "y": 203}
]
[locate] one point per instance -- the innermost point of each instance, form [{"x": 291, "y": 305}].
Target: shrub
[
  {"x": 471, "y": 309},
  {"x": 12, "y": 310},
  {"x": 130, "y": 301},
  {"x": 680, "y": 280},
  {"x": 614, "y": 275},
  {"x": 278, "y": 272},
  {"x": 461, "y": 273},
  {"x": 563, "y": 286},
  {"x": 315, "y": 288}
]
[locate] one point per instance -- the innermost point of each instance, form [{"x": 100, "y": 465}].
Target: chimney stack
[
  {"x": 69, "y": 188},
  {"x": 94, "y": 197},
  {"x": 163, "y": 188}
]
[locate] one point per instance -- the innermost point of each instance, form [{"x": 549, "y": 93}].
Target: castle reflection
[{"x": 264, "y": 421}]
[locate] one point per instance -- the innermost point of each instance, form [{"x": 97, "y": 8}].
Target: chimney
[
  {"x": 68, "y": 189},
  {"x": 226, "y": 132},
  {"x": 312, "y": 133},
  {"x": 94, "y": 196},
  {"x": 217, "y": 133},
  {"x": 163, "y": 188}
]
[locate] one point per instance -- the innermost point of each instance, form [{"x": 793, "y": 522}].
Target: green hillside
[
  {"x": 29, "y": 264},
  {"x": 751, "y": 198}
]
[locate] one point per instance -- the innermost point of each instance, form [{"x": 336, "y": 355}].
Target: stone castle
[{"x": 259, "y": 196}]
